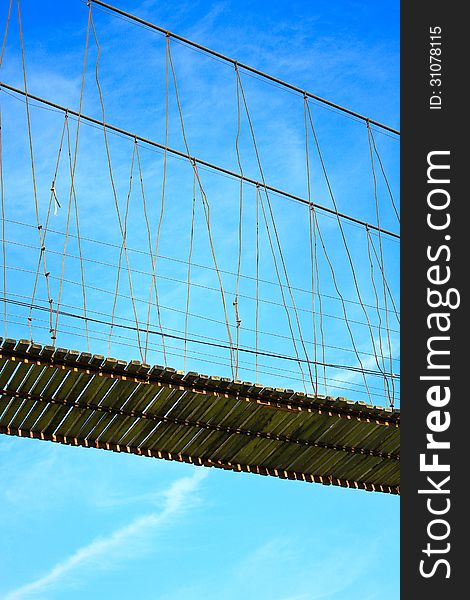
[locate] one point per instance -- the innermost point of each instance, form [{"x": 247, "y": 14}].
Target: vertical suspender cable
[{"x": 2, "y": 190}]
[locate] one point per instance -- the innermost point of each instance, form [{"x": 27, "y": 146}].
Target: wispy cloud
[
  {"x": 103, "y": 550},
  {"x": 315, "y": 578},
  {"x": 286, "y": 569}
]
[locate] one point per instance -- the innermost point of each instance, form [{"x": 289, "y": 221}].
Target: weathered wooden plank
[
  {"x": 116, "y": 398},
  {"x": 206, "y": 442},
  {"x": 5, "y": 399},
  {"x": 56, "y": 388},
  {"x": 83, "y": 427},
  {"x": 75, "y": 418},
  {"x": 51, "y": 422},
  {"x": 141, "y": 429},
  {"x": 48, "y": 377},
  {"x": 20, "y": 403},
  {"x": 142, "y": 398},
  {"x": 7, "y": 371}
]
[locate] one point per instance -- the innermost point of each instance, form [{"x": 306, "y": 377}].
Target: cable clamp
[{"x": 237, "y": 316}]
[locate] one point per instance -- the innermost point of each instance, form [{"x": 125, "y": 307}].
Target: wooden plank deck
[{"x": 86, "y": 400}]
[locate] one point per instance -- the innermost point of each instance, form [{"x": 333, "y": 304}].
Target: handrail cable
[
  {"x": 240, "y": 65},
  {"x": 199, "y": 161}
]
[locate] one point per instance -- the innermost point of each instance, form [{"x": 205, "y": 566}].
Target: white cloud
[
  {"x": 287, "y": 569},
  {"x": 103, "y": 550}
]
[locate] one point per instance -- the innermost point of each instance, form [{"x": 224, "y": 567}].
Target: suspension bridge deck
[{"x": 87, "y": 400}]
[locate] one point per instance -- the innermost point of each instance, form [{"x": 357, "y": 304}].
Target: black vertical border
[{"x": 424, "y": 130}]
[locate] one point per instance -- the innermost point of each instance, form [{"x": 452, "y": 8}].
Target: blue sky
[{"x": 82, "y": 522}]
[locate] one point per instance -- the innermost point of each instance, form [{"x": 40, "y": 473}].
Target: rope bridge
[{"x": 122, "y": 241}]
